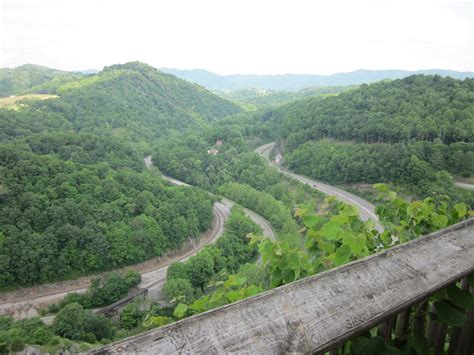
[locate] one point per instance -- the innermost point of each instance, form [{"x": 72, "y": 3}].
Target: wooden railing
[{"x": 322, "y": 312}]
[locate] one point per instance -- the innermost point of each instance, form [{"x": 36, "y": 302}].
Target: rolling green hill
[
  {"x": 252, "y": 99},
  {"x": 418, "y": 108},
  {"x": 131, "y": 101},
  {"x": 405, "y": 131},
  {"x": 136, "y": 101},
  {"x": 20, "y": 79},
  {"x": 74, "y": 204},
  {"x": 75, "y": 197}
]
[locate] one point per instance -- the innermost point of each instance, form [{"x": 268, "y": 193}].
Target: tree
[
  {"x": 73, "y": 322},
  {"x": 131, "y": 316},
  {"x": 98, "y": 325},
  {"x": 177, "y": 270},
  {"x": 180, "y": 290},
  {"x": 70, "y": 322},
  {"x": 201, "y": 269}
]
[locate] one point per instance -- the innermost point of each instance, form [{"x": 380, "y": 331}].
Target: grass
[{"x": 14, "y": 102}]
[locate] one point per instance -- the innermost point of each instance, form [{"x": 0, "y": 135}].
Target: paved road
[
  {"x": 28, "y": 307},
  {"x": 366, "y": 209},
  {"x": 155, "y": 281},
  {"x": 267, "y": 228},
  {"x": 464, "y": 185}
]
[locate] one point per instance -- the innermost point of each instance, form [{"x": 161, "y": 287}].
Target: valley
[
  {"x": 131, "y": 179},
  {"x": 366, "y": 209}
]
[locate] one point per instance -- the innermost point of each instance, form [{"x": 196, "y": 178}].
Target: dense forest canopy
[
  {"x": 405, "y": 132},
  {"x": 252, "y": 99},
  {"x": 417, "y": 107},
  {"x": 61, "y": 218},
  {"x": 136, "y": 101},
  {"x": 76, "y": 199}
]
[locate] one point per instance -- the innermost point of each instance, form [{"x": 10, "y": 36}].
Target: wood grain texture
[{"x": 322, "y": 311}]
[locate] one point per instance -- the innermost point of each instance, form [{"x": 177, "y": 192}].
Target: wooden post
[
  {"x": 385, "y": 330},
  {"x": 403, "y": 319},
  {"x": 420, "y": 314},
  {"x": 456, "y": 333},
  {"x": 466, "y": 339},
  {"x": 439, "y": 340}
]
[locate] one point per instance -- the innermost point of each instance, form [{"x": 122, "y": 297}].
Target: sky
[{"x": 238, "y": 36}]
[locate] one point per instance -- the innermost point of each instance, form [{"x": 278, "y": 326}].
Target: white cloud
[{"x": 241, "y": 36}]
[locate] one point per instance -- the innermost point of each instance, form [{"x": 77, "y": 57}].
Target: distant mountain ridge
[{"x": 212, "y": 81}]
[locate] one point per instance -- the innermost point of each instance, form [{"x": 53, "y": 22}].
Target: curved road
[
  {"x": 366, "y": 209},
  {"x": 152, "y": 279},
  {"x": 267, "y": 228},
  {"x": 23, "y": 308},
  {"x": 463, "y": 185}
]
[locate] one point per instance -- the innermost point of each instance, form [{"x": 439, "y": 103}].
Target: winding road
[
  {"x": 366, "y": 209},
  {"x": 27, "y": 304},
  {"x": 463, "y": 185},
  {"x": 23, "y": 307},
  {"x": 267, "y": 229},
  {"x": 155, "y": 281}
]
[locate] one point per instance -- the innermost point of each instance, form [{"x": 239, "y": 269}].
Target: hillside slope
[
  {"x": 408, "y": 132},
  {"x": 75, "y": 204},
  {"x": 74, "y": 197},
  {"x": 20, "y": 79},
  {"x": 136, "y": 101},
  {"x": 418, "y": 107}
]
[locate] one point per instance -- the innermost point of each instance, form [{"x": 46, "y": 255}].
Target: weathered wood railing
[{"x": 319, "y": 313}]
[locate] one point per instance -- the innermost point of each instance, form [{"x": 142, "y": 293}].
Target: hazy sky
[{"x": 238, "y": 36}]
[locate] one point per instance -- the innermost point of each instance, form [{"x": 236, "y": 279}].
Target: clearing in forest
[{"x": 13, "y": 102}]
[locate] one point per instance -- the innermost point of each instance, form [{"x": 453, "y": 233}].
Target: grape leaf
[
  {"x": 459, "y": 297},
  {"x": 449, "y": 314}
]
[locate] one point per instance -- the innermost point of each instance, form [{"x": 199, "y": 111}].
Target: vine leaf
[
  {"x": 366, "y": 346},
  {"x": 460, "y": 209},
  {"x": 449, "y": 314},
  {"x": 459, "y": 297},
  {"x": 420, "y": 344},
  {"x": 332, "y": 231},
  {"x": 180, "y": 311}
]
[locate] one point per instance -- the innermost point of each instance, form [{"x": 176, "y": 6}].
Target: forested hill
[
  {"x": 18, "y": 80},
  {"x": 418, "y": 107},
  {"x": 74, "y": 204},
  {"x": 136, "y": 101},
  {"x": 408, "y": 132},
  {"x": 75, "y": 198}
]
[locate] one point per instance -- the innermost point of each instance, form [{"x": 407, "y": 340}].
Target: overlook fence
[{"x": 322, "y": 312}]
